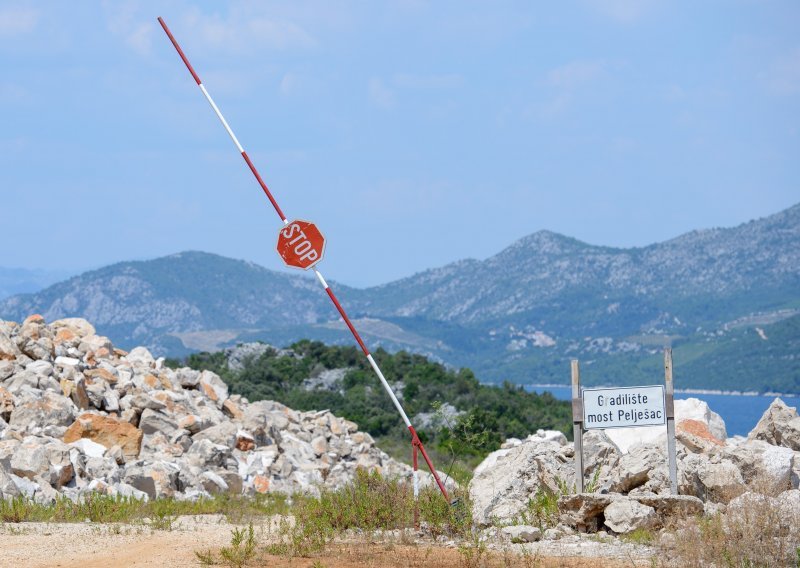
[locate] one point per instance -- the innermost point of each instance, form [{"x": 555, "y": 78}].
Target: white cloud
[
  {"x": 406, "y": 196},
  {"x": 623, "y": 11},
  {"x": 783, "y": 76},
  {"x": 290, "y": 84},
  {"x": 241, "y": 31},
  {"x": 675, "y": 93},
  {"x": 16, "y": 21},
  {"x": 140, "y": 39},
  {"x": 379, "y": 94},
  {"x": 228, "y": 81},
  {"x": 136, "y": 29},
  {"x": 13, "y": 93},
  {"x": 575, "y": 74},
  {"x": 567, "y": 82},
  {"x": 411, "y": 81}
]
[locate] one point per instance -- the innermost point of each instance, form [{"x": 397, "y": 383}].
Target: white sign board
[{"x": 623, "y": 407}]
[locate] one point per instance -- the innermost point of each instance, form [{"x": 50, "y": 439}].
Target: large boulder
[
  {"x": 8, "y": 348},
  {"x": 764, "y": 464},
  {"x": 35, "y": 339},
  {"x": 45, "y": 458},
  {"x": 224, "y": 433},
  {"x": 8, "y": 488},
  {"x": 107, "y": 431},
  {"x": 644, "y": 463},
  {"x": 626, "y": 515},
  {"x": 690, "y": 409},
  {"x": 507, "y": 479},
  {"x": 696, "y": 436},
  {"x": 722, "y": 481},
  {"x": 590, "y": 512},
  {"x": 152, "y": 421},
  {"x": 584, "y": 511},
  {"x": 266, "y": 420},
  {"x": 42, "y": 411},
  {"x": 79, "y": 327},
  {"x": 672, "y": 507},
  {"x": 600, "y": 460},
  {"x": 213, "y": 387},
  {"x": 779, "y": 426},
  {"x": 157, "y": 479}
]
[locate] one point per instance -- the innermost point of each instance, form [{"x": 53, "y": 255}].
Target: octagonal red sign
[{"x": 301, "y": 244}]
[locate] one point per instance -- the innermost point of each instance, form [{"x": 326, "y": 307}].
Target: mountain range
[
  {"x": 727, "y": 300},
  {"x": 23, "y": 280}
]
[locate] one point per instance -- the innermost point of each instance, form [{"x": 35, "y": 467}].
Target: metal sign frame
[
  {"x": 662, "y": 408},
  {"x": 578, "y": 416}
]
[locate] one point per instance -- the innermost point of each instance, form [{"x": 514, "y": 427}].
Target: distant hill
[
  {"x": 25, "y": 281},
  {"x": 519, "y": 315},
  {"x": 165, "y": 302}
]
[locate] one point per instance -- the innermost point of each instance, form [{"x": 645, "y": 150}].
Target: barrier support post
[
  {"x": 415, "y": 441},
  {"x": 416, "y": 485}
]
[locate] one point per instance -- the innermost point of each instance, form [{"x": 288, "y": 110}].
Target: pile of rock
[
  {"x": 78, "y": 415},
  {"x": 628, "y": 482}
]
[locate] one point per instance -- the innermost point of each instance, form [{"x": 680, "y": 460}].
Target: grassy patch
[
  {"x": 639, "y": 536},
  {"x": 542, "y": 510},
  {"x": 159, "y": 513},
  {"x": 371, "y": 503}
]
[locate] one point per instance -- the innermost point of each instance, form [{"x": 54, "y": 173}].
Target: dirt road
[{"x": 94, "y": 545}]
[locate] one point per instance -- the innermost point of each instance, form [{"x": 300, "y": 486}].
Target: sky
[{"x": 412, "y": 133}]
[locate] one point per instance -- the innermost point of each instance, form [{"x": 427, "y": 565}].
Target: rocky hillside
[
  {"x": 545, "y": 272},
  {"x": 78, "y": 415},
  {"x": 519, "y": 315},
  {"x": 161, "y": 303}
]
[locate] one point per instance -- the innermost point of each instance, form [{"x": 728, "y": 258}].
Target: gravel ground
[{"x": 96, "y": 545}]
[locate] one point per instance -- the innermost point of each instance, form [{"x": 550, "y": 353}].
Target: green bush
[{"x": 491, "y": 413}]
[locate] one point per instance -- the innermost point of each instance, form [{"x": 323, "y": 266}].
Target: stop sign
[{"x": 301, "y": 244}]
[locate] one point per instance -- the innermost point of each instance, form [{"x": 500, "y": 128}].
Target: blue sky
[{"x": 413, "y": 133}]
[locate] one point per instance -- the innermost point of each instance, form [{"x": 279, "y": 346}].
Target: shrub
[{"x": 756, "y": 535}]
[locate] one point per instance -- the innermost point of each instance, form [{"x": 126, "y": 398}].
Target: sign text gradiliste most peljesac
[{"x": 623, "y": 407}]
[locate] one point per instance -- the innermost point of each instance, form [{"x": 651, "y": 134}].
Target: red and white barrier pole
[{"x": 415, "y": 441}]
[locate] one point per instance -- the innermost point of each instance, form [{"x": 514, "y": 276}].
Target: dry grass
[
  {"x": 369, "y": 523},
  {"x": 368, "y": 505},
  {"x": 758, "y": 534},
  {"x": 158, "y": 513}
]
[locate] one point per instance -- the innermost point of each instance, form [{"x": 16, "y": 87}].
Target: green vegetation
[
  {"x": 370, "y": 511},
  {"x": 640, "y": 536},
  {"x": 371, "y": 503},
  {"x": 159, "y": 514},
  {"x": 542, "y": 510},
  {"x": 490, "y": 414}
]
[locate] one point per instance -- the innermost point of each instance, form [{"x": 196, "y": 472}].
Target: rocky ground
[
  {"x": 90, "y": 545},
  {"x": 628, "y": 487},
  {"x": 78, "y": 416}
]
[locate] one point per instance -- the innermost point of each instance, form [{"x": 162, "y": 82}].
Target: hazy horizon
[
  {"x": 414, "y": 134},
  {"x": 66, "y": 274}
]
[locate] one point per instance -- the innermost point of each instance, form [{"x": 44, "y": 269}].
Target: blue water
[{"x": 740, "y": 412}]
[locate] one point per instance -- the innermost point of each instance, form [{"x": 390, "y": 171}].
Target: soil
[{"x": 94, "y": 545}]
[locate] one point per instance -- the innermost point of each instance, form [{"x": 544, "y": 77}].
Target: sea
[{"x": 741, "y": 412}]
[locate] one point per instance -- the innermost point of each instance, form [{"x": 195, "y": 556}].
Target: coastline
[{"x": 677, "y": 391}]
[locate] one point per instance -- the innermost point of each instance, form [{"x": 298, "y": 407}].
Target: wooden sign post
[
  {"x": 669, "y": 400},
  {"x": 577, "y": 423}
]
